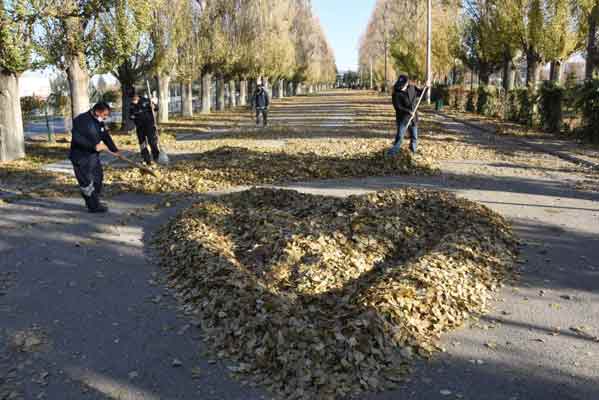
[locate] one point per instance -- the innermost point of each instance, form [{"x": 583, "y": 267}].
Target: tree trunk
[
  {"x": 12, "y": 141},
  {"x": 232, "y": 93},
  {"x": 187, "y": 99},
  {"x": 532, "y": 70},
  {"x": 243, "y": 93},
  {"x": 555, "y": 72},
  {"x": 127, "y": 91},
  {"x": 78, "y": 78},
  {"x": 281, "y": 88},
  {"x": 592, "y": 46},
  {"x": 206, "y": 93},
  {"x": 220, "y": 94},
  {"x": 164, "y": 95},
  {"x": 505, "y": 74},
  {"x": 484, "y": 75}
]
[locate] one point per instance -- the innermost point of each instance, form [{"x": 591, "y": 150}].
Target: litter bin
[{"x": 439, "y": 104}]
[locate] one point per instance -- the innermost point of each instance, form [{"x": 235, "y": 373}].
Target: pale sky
[{"x": 344, "y": 21}]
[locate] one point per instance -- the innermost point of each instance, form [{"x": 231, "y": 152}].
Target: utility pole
[
  {"x": 386, "y": 43},
  {"x": 429, "y": 55},
  {"x": 371, "y": 77}
]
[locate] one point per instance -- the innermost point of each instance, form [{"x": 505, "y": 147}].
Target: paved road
[
  {"x": 57, "y": 125},
  {"x": 80, "y": 297}
]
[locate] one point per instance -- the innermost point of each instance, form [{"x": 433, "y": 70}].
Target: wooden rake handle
[{"x": 133, "y": 163}]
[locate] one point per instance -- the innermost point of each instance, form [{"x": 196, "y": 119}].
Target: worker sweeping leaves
[
  {"x": 90, "y": 138},
  {"x": 142, "y": 113},
  {"x": 406, "y": 99}
]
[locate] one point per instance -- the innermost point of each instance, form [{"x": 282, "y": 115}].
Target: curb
[{"x": 561, "y": 154}]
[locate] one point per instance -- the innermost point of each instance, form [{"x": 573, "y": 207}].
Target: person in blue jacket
[
  {"x": 90, "y": 137},
  {"x": 261, "y": 101}
]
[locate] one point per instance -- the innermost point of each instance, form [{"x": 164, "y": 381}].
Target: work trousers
[
  {"x": 147, "y": 136},
  {"x": 264, "y": 113},
  {"x": 90, "y": 176},
  {"x": 402, "y": 127}
]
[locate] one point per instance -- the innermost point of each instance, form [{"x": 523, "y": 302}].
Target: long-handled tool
[
  {"x": 133, "y": 163},
  {"x": 385, "y": 152},
  {"x": 162, "y": 155},
  {"x": 417, "y": 105}
]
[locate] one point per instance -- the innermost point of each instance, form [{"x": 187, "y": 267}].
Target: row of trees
[
  {"x": 395, "y": 39},
  {"x": 497, "y": 33},
  {"x": 231, "y": 41},
  {"x": 485, "y": 36}
]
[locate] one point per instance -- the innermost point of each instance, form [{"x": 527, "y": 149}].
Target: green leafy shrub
[
  {"x": 31, "y": 104},
  {"x": 457, "y": 98},
  {"x": 520, "y": 106},
  {"x": 472, "y": 101},
  {"x": 588, "y": 104},
  {"x": 440, "y": 92},
  {"x": 490, "y": 102},
  {"x": 550, "y": 100}
]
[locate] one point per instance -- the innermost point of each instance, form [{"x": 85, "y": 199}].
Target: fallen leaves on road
[
  {"x": 225, "y": 167},
  {"x": 321, "y": 297}
]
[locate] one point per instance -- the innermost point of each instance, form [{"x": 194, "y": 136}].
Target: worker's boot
[
  {"x": 145, "y": 153},
  {"x": 93, "y": 204}
]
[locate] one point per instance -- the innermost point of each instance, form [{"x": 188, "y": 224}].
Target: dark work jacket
[
  {"x": 407, "y": 99},
  {"x": 261, "y": 99},
  {"x": 141, "y": 112},
  {"x": 87, "y": 133}
]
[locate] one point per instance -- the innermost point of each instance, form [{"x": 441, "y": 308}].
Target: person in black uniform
[
  {"x": 405, "y": 98},
  {"x": 90, "y": 138},
  {"x": 261, "y": 101},
  {"x": 145, "y": 124}
]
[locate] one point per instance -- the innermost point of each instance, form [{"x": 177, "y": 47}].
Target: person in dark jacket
[
  {"x": 90, "y": 138},
  {"x": 145, "y": 124},
  {"x": 405, "y": 99},
  {"x": 261, "y": 101}
]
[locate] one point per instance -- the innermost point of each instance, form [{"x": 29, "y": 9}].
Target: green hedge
[
  {"x": 471, "y": 100},
  {"x": 440, "y": 92},
  {"x": 490, "y": 102},
  {"x": 457, "y": 98},
  {"x": 520, "y": 106},
  {"x": 551, "y": 97},
  {"x": 588, "y": 104},
  {"x": 546, "y": 108}
]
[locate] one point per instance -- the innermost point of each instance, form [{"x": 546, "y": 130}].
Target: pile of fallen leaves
[
  {"x": 225, "y": 167},
  {"x": 322, "y": 297}
]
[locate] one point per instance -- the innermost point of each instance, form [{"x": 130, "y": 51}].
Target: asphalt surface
[
  {"x": 84, "y": 315},
  {"x": 57, "y": 125}
]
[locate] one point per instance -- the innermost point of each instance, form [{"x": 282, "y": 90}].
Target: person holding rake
[{"x": 406, "y": 99}]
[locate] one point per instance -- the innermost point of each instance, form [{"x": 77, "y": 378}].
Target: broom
[{"x": 162, "y": 155}]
